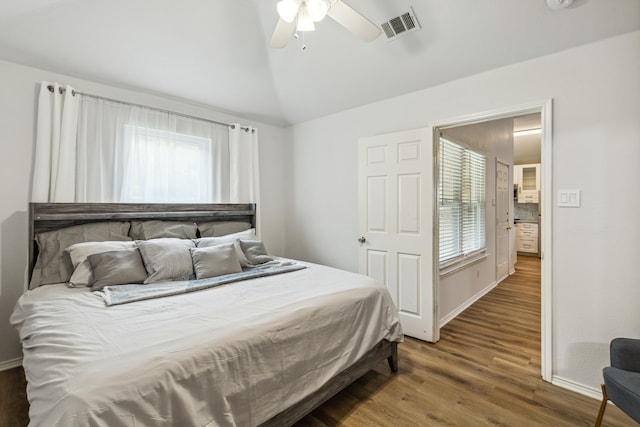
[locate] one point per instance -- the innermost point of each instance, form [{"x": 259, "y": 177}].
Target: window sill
[{"x": 463, "y": 263}]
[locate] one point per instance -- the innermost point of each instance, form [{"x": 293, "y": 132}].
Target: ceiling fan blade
[
  {"x": 282, "y": 33},
  {"x": 353, "y": 21}
]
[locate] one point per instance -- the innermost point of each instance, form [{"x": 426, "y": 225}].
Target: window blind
[{"x": 461, "y": 202}]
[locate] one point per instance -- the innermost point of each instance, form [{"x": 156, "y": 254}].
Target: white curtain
[
  {"x": 244, "y": 167},
  {"x": 128, "y": 153},
  {"x": 55, "y": 155},
  {"x": 90, "y": 149}
]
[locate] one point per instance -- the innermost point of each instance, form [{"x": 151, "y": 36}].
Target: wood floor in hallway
[{"x": 485, "y": 371}]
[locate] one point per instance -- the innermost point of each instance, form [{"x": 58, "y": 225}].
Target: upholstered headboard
[{"x": 54, "y": 216}]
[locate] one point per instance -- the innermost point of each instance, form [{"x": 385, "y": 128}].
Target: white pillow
[
  {"x": 79, "y": 252},
  {"x": 213, "y": 241}
]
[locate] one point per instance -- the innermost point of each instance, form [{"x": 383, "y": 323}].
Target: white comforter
[{"x": 234, "y": 355}]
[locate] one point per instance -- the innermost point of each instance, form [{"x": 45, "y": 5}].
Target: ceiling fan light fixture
[
  {"x": 305, "y": 23},
  {"x": 303, "y": 14},
  {"x": 317, "y": 9},
  {"x": 288, "y": 9}
]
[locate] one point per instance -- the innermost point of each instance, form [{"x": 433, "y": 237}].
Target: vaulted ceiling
[{"x": 215, "y": 52}]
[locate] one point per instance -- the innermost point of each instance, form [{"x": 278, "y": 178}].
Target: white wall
[
  {"x": 596, "y": 147},
  {"x": 461, "y": 288},
  {"x": 17, "y": 122}
]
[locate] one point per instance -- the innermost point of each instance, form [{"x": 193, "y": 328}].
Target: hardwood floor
[
  {"x": 14, "y": 408},
  {"x": 485, "y": 371}
]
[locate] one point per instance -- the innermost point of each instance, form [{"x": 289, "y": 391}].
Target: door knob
[
  {"x": 361, "y": 239},
  {"x": 509, "y": 228}
]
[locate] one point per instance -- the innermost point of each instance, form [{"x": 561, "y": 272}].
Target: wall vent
[{"x": 400, "y": 25}]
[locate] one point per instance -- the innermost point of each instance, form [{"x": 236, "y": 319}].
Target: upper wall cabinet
[{"x": 527, "y": 178}]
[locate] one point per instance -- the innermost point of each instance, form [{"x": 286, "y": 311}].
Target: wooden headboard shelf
[{"x": 54, "y": 216}]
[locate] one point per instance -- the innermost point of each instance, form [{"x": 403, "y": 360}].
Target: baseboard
[
  {"x": 462, "y": 307},
  {"x": 10, "y": 364},
  {"x": 582, "y": 389}
]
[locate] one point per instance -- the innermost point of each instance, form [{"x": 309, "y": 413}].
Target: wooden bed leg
[
  {"x": 393, "y": 359},
  {"x": 603, "y": 406}
]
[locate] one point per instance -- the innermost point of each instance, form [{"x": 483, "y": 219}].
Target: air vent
[{"x": 400, "y": 25}]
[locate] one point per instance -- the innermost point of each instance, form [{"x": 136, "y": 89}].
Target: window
[
  {"x": 168, "y": 167},
  {"x": 461, "y": 204},
  {"x": 133, "y": 154}
]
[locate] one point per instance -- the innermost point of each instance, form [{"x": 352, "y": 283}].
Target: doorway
[{"x": 543, "y": 111}]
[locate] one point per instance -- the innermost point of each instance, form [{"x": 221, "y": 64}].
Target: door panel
[
  {"x": 409, "y": 284},
  {"x": 409, "y": 204},
  {"x": 376, "y": 203},
  {"x": 395, "y": 191},
  {"x": 408, "y": 151},
  {"x": 376, "y": 154},
  {"x": 503, "y": 226},
  {"x": 377, "y": 265}
]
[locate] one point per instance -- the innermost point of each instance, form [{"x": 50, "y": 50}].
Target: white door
[
  {"x": 395, "y": 190},
  {"x": 503, "y": 225}
]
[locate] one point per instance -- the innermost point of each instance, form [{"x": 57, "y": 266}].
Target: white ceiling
[{"x": 215, "y": 52}]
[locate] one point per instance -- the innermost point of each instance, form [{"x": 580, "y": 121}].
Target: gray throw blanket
[{"x": 123, "y": 294}]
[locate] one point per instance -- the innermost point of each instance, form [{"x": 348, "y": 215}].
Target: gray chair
[{"x": 622, "y": 378}]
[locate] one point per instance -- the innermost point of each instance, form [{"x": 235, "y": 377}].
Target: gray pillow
[
  {"x": 167, "y": 259},
  {"x": 116, "y": 268},
  {"x": 215, "y": 261},
  {"x": 205, "y": 242},
  {"x": 80, "y": 251},
  {"x": 221, "y": 228},
  {"x": 145, "y": 230},
  {"x": 255, "y": 251},
  {"x": 54, "y": 264}
]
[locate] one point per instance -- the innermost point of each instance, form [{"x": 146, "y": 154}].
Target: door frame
[{"x": 545, "y": 108}]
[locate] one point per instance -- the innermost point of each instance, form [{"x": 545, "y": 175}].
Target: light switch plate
[{"x": 569, "y": 198}]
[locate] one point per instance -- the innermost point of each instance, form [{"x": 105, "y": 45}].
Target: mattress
[{"x": 233, "y": 355}]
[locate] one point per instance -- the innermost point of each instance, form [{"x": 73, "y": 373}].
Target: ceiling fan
[{"x": 300, "y": 15}]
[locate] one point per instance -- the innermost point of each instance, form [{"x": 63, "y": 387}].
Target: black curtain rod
[{"x": 75, "y": 92}]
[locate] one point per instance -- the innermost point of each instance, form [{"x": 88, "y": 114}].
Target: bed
[{"x": 265, "y": 350}]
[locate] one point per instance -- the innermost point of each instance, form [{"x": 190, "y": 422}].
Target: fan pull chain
[{"x": 297, "y": 37}]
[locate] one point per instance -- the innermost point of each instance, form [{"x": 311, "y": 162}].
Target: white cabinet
[
  {"x": 527, "y": 179},
  {"x": 528, "y": 196},
  {"x": 527, "y": 237}
]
